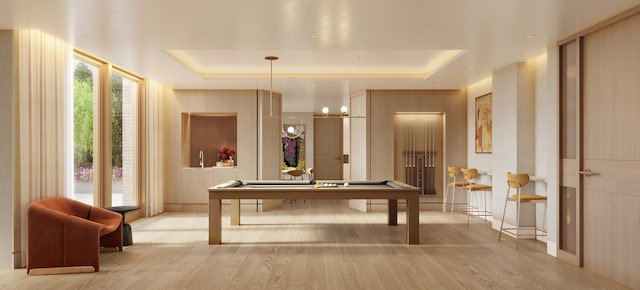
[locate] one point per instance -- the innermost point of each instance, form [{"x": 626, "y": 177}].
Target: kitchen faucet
[{"x": 201, "y": 159}]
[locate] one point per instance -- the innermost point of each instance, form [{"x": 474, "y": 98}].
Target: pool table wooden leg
[
  {"x": 392, "y": 211},
  {"x": 413, "y": 221},
  {"x": 215, "y": 221},
  {"x": 235, "y": 212}
]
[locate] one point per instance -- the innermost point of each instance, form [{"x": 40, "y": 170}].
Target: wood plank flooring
[{"x": 319, "y": 245}]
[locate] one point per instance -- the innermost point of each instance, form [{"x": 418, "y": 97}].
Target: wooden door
[
  {"x": 327, "y": 146},
  {"x": 611, "y": 150}
]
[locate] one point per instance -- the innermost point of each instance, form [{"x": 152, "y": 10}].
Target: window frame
[{"x": 102, "y": 167}]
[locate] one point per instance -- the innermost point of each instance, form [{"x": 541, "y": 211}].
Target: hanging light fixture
[{"x": 271, "y": 58}]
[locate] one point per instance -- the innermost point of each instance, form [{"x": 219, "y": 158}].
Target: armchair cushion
[{"x": 62, "y": 232}]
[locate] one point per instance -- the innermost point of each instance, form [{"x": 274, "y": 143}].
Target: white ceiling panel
[{"x": 327, "y": 48}]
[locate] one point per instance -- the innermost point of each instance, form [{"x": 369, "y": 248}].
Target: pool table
[{"x": 307, "y": 189}]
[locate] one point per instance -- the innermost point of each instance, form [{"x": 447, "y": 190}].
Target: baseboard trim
[{"x": 61, "y": 270}]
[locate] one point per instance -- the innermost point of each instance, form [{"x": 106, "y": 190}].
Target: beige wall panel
[
  {"x": 270, "y": 144},
  {"x": 612, "y": 58},
  {"x": 241, "y": 102},
  {"x": 384, "y": 103},
  {"x": 7, "y": 124}
]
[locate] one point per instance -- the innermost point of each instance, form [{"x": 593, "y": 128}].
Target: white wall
[
  {"x": 547, "y": 140},
  {"x": 359, "y": 145},
  {"x": 484, "y": 161},
  {"x": 507, "y": 153}
]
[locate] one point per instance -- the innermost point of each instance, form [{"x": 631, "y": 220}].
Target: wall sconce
[
  {"x": 291, "y": 130},
  {"x": 325, "y": 110},
  {"x": 344, "y": 110}
]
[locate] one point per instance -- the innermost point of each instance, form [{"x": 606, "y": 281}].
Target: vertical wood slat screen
[
  {"x": 43, "y": 74},
  {"x": 151, "y": 148}
]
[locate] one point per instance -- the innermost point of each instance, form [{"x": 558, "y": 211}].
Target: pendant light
[{"x": 271, "y": 58}]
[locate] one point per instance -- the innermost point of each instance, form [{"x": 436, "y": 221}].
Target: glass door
[
  {"x": 86, "y": 91},
  {"x": 570, "y": 197}
]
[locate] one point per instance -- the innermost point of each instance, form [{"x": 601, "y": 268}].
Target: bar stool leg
[
  {"x": 518, "y": 220},
  {"x": 453, "y": 195},
  {"x": 504, "y": 212},
  {"x": 469, "y": 205},
  {"x": 484, "y": 210},
  {"x": 535, "y": 223}
]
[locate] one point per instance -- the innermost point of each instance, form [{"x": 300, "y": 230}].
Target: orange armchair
[{"x": 64, "y": 235}]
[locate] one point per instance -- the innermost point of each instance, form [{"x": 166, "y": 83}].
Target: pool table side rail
[{"x": 359, "y": 190}]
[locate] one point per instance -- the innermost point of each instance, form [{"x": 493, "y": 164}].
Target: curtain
[
  {"x": 151, "y": 139},
  {"x": 42, "y": 73},
  {"x": 43, "y": 65}
]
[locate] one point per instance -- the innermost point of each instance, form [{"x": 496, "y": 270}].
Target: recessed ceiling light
[
  {"x": 531, "y": 36},
  {"x": 314, "y": 36}
]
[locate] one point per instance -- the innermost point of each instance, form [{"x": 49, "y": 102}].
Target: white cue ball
[{"x": 346, "y": 184}]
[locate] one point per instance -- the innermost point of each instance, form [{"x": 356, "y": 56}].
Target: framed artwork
[
  {"x": 293, "y": 146},
  {"x": 484, "y": 119}
]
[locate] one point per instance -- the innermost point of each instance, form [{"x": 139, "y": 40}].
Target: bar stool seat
[
  {"x": 472, "y": 188},
  {"x": 517, "y": 181},
  {"x": 453, "y": 172}
]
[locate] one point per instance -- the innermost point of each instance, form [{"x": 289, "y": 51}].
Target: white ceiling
[{"x": 327, "y": 48}]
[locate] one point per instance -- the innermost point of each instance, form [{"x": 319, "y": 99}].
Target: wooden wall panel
[
  {"x": 240, "y": 102},
  {"x": 383, "y": 105},
  {"x": 611, "y": 142},
  {"x": 269, "y": 130}
]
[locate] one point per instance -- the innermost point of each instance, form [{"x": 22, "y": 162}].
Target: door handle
[{"x": 587, "y": 172}]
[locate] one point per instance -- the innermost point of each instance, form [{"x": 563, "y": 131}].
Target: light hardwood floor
[{"x": 319, "y": 245}]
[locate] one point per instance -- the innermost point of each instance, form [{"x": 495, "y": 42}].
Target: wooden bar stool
[
  {"x": 473, "y": 188},
  {"x": 453, "y": 172},
  {"x": 295, "y": 173},
  {"x": 517, "y": 181}
]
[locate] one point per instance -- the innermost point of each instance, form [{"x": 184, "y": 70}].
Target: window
[
  {"x": 86, "y": 89},
  {"x": 98, "y": 143},
  {"x": 124, "y": 94}
]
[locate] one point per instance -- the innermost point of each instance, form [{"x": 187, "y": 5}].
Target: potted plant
[{"x": 226, "y": 156}]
